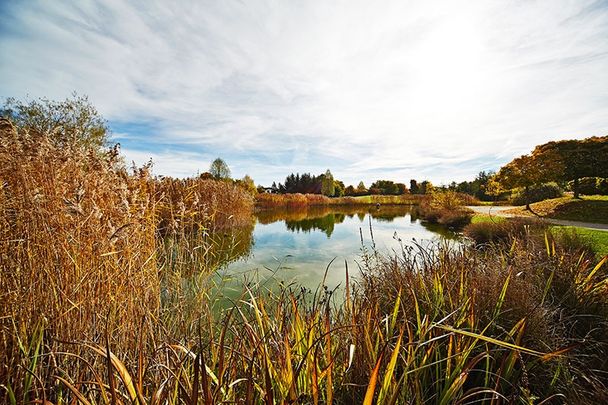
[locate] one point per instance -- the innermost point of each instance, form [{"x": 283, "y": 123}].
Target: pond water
[{"x": 298, "y": 245}]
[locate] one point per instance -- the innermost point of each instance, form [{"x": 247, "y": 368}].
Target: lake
[{"x": 298, "y": 245}]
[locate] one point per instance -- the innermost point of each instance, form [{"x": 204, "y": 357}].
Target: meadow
[{"x": 107, "y": 295}]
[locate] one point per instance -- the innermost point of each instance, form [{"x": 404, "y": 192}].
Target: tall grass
[
  {"x": 447, "y": 208},
  {"x": 297, "y": 200},
  {"x": 107, "y": 297},
  {"x": 83, "y": 252},
  {"x": 437, "y": 325}
]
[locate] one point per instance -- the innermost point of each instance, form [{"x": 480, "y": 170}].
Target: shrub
[
  {"x": 446, "y": 208},
  {"x": 536, "y": 193},
  {"x": 591, "y": 185},
  {"x": 483, "y": 233}
]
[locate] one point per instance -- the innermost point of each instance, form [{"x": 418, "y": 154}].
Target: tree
[
  {"x": 414, "y": 189},
  {"x": 219, "y": 169},
  {"x": 523, "y": 171},
  {"x": 386, "y": 187},
  {"x": 571, "y": 160},
  {"x": 72, "y": 122},
  {"x": 402, "y": 188},
  {"x": 426, "y": 187},
  {"x": 248, "y": 184},
  {"x": 338, "y": 188},
  {"x": 327, "y": 184}
]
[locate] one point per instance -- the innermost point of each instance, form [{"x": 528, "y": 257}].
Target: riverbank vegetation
[
  {"x": 271, "y": 201},
  {"x": 447, "y": 208},
  {"x": 107, "y": 295}
]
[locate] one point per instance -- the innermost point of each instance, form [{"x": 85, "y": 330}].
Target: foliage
[
  {"x": 327, "y": 184},
  {"x": 591, "y": 186},
  {"x": 477, "y": 188},
  {"x": 339, "y": 189},
  {"x": 446, "y": 208},
  {"x": 219, "y": 169},
  {"x": 248, "y": 184},
  {"x": 586, "y": 209},
  {"x": 513, "y": 323},
  {"x": 296, "y": 183},
  {"x": 87, "y": 247},
  {"x": 500, "y": 230},
  {"x": 297, "y": 200},
  {"x": 387, "y": 187},
  {"x": 535, "y": 193},
  {"x": 559, "y": 161},
  {"x": 72, "y": 122},
  {"x": 414, "y": 189},
  {"x": 575, "y": 159}
]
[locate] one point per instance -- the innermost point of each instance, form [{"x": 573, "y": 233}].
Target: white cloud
[{"x": 371, "y": 90}]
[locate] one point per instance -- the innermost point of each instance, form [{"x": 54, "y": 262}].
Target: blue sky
[{"x": 389, "y": 89}]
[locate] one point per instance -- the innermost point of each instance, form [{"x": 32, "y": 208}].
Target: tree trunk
[
  {"x": 527, "y": 198},
  {"x": 575, "y": 188}
]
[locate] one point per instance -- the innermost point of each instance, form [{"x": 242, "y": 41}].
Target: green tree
[
  {"x": 72, "y": 122},
  {"x": 338, "y": 188},
  {"x": 386, "y": 187},
  {"x": 414, "y": 188},
  {"x": 219, "y": 169},
  {"x": 402, "y": 188},
  {"x": 327, "y": 184}
]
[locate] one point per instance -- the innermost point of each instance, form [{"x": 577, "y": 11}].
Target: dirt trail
[{"x": 499, "y": 212}]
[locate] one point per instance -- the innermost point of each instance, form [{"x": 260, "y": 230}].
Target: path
[{"x": 499, "y": 212}]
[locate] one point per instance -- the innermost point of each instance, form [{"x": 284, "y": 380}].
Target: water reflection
[{"x": 297, "y": 245}]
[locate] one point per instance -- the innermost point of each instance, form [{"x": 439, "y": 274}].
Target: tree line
[{"x": 327, "y": 185}]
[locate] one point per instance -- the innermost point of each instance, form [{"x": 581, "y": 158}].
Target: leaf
[{"x": 371, "y": 387}]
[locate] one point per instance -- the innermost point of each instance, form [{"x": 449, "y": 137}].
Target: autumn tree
[
  {"x": 426, "y": 187},
  {"x": 248, "y": 184},
  {"x": 571, "y": 160},
  {"x": 524, "y": 171},
  {"x": 71, "y": 122},
  {"x": 219, "y": 169}
]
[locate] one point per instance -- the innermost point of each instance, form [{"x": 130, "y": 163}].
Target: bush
[
  {"x": 446, "y": 208},
  {"x": 537, "y": 193},
  {"x": 591, "y": 185},
  {"x": 483, "y": 233}
]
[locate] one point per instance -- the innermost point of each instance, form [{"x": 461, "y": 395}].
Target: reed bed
[
  {"x": 297, "y": 200},
  {"x": 108, "y": 296},
  {"x": 87, "y": 249},
  {"x": 447, "y": 208}
]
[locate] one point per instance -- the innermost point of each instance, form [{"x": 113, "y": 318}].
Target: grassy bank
[
  {"x": 597, "y": 240},
  {"x": 586, "y": 209}
]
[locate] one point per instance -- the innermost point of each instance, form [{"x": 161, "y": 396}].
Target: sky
[{"x": 435, "y": 90}]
